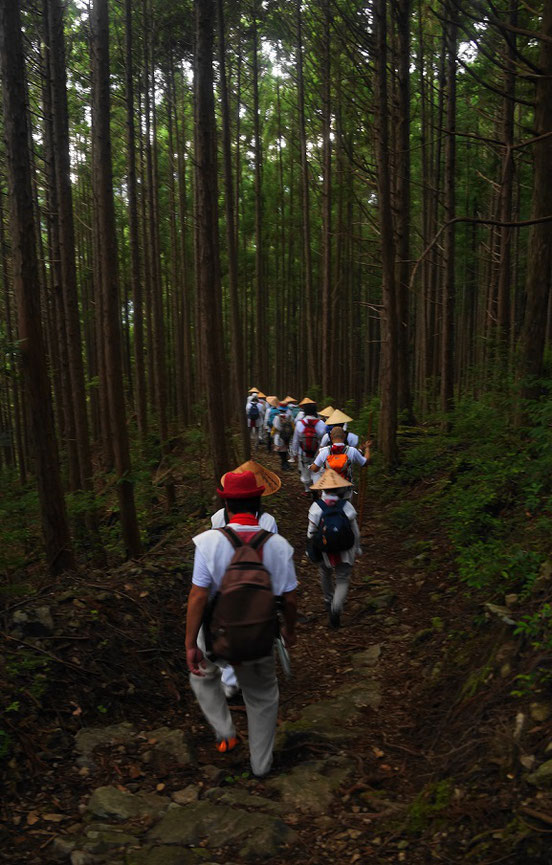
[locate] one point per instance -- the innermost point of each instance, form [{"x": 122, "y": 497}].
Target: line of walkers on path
[{"x": 243, "y": 598}]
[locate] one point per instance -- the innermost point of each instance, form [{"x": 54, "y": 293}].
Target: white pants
[
  {"x": 259, "y": 685},
  {"x": 307, "y": 477},
  {"x": 335, "y": 598}
]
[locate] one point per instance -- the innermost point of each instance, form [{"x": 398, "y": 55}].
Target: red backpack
[
  {"x": 308, "y": 437},
  {"x": 242, "y": 624}
]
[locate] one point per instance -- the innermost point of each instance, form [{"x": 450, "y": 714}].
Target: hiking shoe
[
  {"x": 334, "y": 619},
  {"x": 226, "y": 745}
]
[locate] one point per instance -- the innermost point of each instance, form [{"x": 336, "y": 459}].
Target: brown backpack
[{"x": 242, "y": 624}]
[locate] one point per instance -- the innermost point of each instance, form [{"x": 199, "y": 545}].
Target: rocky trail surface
[{"x": 148, "y": 788}]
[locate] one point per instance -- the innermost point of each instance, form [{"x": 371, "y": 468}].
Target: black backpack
[
  {"x": 241, "y": 623},
  {"x": 253, "y": 412},
  {"x": 334, "y": 533}
]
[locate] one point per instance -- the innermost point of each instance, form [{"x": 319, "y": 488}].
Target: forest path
[{"x": 343, "y": 764}]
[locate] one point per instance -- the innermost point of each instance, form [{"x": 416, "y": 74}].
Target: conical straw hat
[
  {"x": 261, "y": 395},
  {"x": 338, "y": 417},
  {"x": 289, "y": 399},
  {"x": 330, "y": 480},
  {"x": 307, "y": 401},
  {"x": 264, "y": 477},
  {"x": 326, "y": 412},
  {"x": 253, "y": 390},
  {"x": 273, "y": 401}
]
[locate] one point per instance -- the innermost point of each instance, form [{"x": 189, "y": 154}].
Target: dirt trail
[{"x": 381, "y": 769}]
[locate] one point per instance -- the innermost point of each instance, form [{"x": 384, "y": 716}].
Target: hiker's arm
[
  {"x": 367, "y": 453},
  {"x": 316, "y": 466},
  {"x": 197, "y": 602},
  {"x": 289, "y": 612}
]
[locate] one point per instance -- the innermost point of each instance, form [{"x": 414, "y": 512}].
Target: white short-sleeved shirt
[
  {"x": 214, "y": 553},
  {"x": 266, "y": 521}
]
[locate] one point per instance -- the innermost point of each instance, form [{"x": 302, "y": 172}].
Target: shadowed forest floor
[{"x": 426, "y": 779}]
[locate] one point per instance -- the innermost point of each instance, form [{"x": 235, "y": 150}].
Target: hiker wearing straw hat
[
  {"x": 270, "y": 413},
  {"x": 338, "y": 418},
  {"x": 254, "y": 410},
  {"x": 271, "y": 483},
  {"x": 334, "y": 541},
  {"x": 340, "y": 457},
  {"x": 271, "y": 556},
  {"x": 306, "y": 441},
  {"x": 282, "y": 427}
]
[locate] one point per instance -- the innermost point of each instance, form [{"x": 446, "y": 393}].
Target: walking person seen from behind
[
  {"x": 333, "y": 541},
  {"x": 236, "y": 570}
]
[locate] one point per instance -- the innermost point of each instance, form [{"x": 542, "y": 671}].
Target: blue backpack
[
  {"x": 334, "y": 533},
  {"x": 253, "y": 412}
]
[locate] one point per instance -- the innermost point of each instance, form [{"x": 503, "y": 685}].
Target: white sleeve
[
  {"x": 325, "y": 440},
  {"x": 356, "y": 457},
  {"x": 201, "y": 576},
  {"x": 315, "y": 512},
  {"x": 320, "y": 458}
]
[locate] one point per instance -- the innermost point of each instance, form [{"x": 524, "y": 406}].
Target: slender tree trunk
[
  {"x": 103, "y": 192},
  {"x": 305, "y": 205},
  {"x": 25, "y": 270},
  {"x": 387, "y": 439},
  {"x": 238, "y": 370},
  {"x": 326, "y": 334},
  {"x": 449, "y": 289},
  {"x": 539, "y": 261},
  {"x": 208, "y": 271},
  {"x": 137, "y": 299},
  {"x": 261, "y": 352}
]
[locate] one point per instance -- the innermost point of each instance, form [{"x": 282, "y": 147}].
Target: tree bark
[
  {"x": 207, "y": 250},
  {"x": 103, "y": 193},
  {"x": 25, "y": 271}
]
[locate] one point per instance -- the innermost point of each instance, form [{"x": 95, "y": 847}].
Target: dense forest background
[{"x": 347, "y": 199}]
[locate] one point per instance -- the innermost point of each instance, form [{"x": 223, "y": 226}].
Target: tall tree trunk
[
  {"x": 402, "y": 221},
  {"x": 207, "y": 250},
  {"x": 237, "y": 364},
  {"x": 539, "y": 261},
  {"x": 449, "y": 288},
  {"x": 305, "y": 205},
  {"x": 506, "y": 193},
  {"x": 137, "y": 299},
  {"x": 103, "y": 193},
  {"x": 26, "y": 281},
  {"x": 261, "y": 352},
  {"x": 387, "y": 434},
  {"x": 326, "y": 335}
]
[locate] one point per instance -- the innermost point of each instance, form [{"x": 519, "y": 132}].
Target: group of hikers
[{"x": 243, "y": 594}]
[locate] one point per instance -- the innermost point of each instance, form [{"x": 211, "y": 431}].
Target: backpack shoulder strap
[
  {"x": 260, "y": 539},
  {"x": 232, "y": 536},
  {"x": 322, "y": 505}
]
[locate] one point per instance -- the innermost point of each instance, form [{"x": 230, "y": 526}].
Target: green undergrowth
[{"x": 484, "y": 487}]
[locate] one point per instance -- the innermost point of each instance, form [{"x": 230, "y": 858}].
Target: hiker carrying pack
[
  {"x": 253, "y": 411},
  {"x": 334, "y": 533},
  {"x": 242, "y": 624},
  {"x": 338, "y": 460},
  {"x": 308, "y": 437},
  {"x": 286, "y": 428}
]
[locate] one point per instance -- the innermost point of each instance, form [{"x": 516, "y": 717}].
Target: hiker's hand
[
  {"x": 289, "y": 639},
  {"x": 367, "y": 444},
  {"x": 194, "y": 657}
]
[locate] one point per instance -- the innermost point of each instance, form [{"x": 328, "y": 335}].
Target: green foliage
[{"x": 428, "y": 805}]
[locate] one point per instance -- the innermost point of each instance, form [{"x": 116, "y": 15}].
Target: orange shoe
[{"x": 226, "y": 745}]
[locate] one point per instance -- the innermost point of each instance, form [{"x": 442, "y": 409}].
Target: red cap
[{"x": 240, "y": 485}]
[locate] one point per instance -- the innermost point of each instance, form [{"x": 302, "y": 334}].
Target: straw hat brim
[
  {"x": 330, "y": 480},
  {"x": 261, "y": 395},
  {"x": 326, "y": 412},
  {"x": 253, "y": 390},
  {"x": 289, "y": 399},
  {"x": 307, "y": 401},
  {"x": 273, "y": 401},
  {"x": 338, "y": 417},
  {"x": 264, "y": 477}
]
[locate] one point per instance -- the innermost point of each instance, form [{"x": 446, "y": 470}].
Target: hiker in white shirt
[
  {"x": 283, "y": 433},
  {"x": 272, "y": 484},
  {"x": 340, "y": 562},
  {"x": 339, "y": 418},
  {"x": 257, "y": 678},
  {"x": 306, "y": 441},
  {"x": 341, "y": 457}
]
